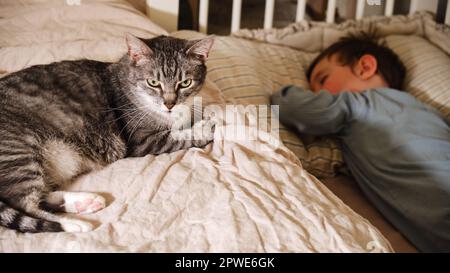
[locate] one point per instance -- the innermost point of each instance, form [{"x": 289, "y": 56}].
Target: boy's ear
[{"x": 366, "y": 67}]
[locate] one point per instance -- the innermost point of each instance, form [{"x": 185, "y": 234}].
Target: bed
[{"x": 234, "y": 195}]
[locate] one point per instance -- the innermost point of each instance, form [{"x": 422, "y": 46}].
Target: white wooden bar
[
  {"x": 301, "y": 6},
  {"x": 447, "y": 14},
  {"x": 360, "y": 9},
  {"x": 413, "y": 6},
  {"x": 331, "y": 11},
  {"x": 268, "y": 14},
  {"x": 203, "y": 16},
  {"x": 236, "y": 15},
  {"x": 389, "y": 10}
]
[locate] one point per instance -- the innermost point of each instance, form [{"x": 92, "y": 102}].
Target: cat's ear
[
  {"x": 137, "y": 49},
  {"x": 200, "y": 48}
]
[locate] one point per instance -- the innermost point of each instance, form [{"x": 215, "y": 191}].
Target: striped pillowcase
[
  {"x": 248, "y": 72},
  {"x": 428, "y": 70}
]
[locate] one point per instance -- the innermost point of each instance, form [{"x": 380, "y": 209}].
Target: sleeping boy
[{"x": 397, "y": 148}]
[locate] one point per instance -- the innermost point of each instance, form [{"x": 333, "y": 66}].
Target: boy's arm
[{"x": 315, "y": 113}]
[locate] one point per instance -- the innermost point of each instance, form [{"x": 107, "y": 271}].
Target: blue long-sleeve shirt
[{"x": 397, "y": 148}]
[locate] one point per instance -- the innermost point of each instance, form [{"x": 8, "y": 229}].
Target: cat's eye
[
  {"x": 153, "y": 83},
  {"x": 186, "y": 83}
]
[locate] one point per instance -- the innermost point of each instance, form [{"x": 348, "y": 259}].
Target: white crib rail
[
  {"x": 413, "y": 6},
  {"x": 165, "y": 7},
  {"x": 203, "y": 16},
  {"x": 268, "y": 15},
  {"x": 360, "y": 9},
  {"x": 389, "y": 8},
  {"x": 301, "y": 7},
  {"x": 331, "y": 11},
  {"x": 236, "y": 15}
]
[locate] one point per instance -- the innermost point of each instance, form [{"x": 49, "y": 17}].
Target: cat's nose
[{"x": 169, "y": 105}]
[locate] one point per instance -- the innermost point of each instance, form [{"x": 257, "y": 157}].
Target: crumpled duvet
[{"x": 232, "y": 196}]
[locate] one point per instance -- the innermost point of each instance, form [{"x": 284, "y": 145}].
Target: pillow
[
  {"x": 249, "y": 72},
  {"x": 428, "y": 70}
]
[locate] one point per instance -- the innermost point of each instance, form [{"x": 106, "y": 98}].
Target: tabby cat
[{"x": 64, "y": 119}]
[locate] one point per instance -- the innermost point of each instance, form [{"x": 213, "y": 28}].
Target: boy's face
[{"x": 334, "y": 77}]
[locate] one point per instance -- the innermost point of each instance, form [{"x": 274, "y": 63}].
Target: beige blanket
[{"x": 236, "y": 195}]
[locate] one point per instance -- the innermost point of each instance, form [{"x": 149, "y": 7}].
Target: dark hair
[{"x": 350, "y": 49}]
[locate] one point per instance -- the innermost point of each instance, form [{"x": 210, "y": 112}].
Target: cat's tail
[{"x": 17, "y": 220}]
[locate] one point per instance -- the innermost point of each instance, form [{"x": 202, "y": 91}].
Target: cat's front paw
[{"x": 112, "y": 148}]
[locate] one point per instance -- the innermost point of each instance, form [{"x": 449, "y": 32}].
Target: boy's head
[{"x": 355, "y": 64}]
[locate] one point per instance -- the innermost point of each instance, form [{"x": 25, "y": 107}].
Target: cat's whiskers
[
  {"x": 144, "y": 115},
  {"x": 131, "y": 120},
  {"x": 124, "y": 115},
  {"x": 122, "y": 107}
]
